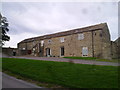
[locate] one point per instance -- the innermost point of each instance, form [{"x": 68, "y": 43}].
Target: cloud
[{"x": 14, "y": 39}]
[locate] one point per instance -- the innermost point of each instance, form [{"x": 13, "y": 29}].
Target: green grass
[
  {"x": 84, "y": 58},
  {"x": 94, "y": 58},
  {"x": 0, "y": 64},
  {"x": 64, "y": 73}
]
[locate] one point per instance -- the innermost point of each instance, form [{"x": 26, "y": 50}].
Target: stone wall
[
  {"x": 9, "y": 51},
  {"x": 114, "y": 50},
  {"x": 95, "y": 42},
  {"x": 118, "y": 47},
  {"x": 72, "y": 46},
  {"x": 106, "y": 43}
]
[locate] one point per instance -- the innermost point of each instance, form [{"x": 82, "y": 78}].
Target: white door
[
  {"x": 84, "y": 51},
  {"x": 48, "y": 52}
]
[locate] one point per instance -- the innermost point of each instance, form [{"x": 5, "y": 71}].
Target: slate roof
[{"x": 69, "y": 32}]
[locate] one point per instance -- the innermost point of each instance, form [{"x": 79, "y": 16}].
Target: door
[
  {"x": 48, "y": 52},
  {"x": 14, "y": 53},
  {"x": 62, "y": 51},
  {"x": 84, "y": 51},
  {"x": 41, "y": 50},
  {"x": 29, "y": 51}
]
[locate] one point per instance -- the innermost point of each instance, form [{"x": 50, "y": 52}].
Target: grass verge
[
  {"x": 63, "y": 73},
  {"x": 94, "y": 58},
  {"x": 85, "y": 58}
]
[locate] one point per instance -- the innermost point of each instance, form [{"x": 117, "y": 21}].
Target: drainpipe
[
  {"x": 26, "y": 47},
  {"x": 92, "y": 44}
]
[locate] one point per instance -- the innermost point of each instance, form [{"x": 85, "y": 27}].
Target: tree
[{"x": 3, "y": 30}]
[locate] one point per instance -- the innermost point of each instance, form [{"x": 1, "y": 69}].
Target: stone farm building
[
  {"x": 8, "y": 51},
  {"x": 91, "y": 41}
]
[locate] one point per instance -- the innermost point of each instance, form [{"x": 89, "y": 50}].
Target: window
[
  {"x": 23, "y": 48},
  {"x": 84, "y": 51},
  {"x": 62, "y": 39},
  {"x": 49, "y": 41},
  {"x": 33, "y": 49},
  {"x": 100, "y": 34},
  {"x": 80, "y": 36},
  {"x": 42, "y": 43},
  {"x": 33, "y": 43},
  {"x": 95, "y": 34}
]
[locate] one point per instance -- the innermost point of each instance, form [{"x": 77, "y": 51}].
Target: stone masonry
[{"x": 91, "y": 41}]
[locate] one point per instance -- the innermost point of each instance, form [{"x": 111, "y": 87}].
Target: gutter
[{"x": 92, "y": 44}]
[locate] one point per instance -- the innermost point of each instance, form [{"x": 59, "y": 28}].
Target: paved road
[
  {"x": 71, "y": 60},
  {"x": 12, "y": 82}
]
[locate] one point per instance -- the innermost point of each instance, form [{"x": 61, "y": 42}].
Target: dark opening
[
  {"x": 29, "y": 51},
  {"x": 62, "y": 51},
  {"x": 100, "y": 34},
  {"x": 14, "y": 53},
  {"x": 41, "y": 52},
  {"x": 47, "y": 51}
]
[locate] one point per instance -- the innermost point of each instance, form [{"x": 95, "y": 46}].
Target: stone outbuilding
[
  {"x": 91, "y": 41},
  {"x": 8, "y": 51},
  {"x": 115, "y": 48}
]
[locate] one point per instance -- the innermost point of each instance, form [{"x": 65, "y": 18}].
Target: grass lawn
[
  {"x": 94, "y": 58},
  {"x": 64, "y": 73},
  {"x": 85, "y": 58}
]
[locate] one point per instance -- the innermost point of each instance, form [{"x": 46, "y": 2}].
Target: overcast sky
[{"x": 30, "y": 19}]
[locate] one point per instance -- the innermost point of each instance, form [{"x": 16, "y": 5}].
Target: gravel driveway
[{"x": 93, "y": 62}]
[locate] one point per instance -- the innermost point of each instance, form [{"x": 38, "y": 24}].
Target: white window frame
[
  {"x": 62, "y": 39},
  {"x": 85, "y": 51},
  {"x": 42, "y": 42},
  {"x": 23, "y": 48},
  {"x": 33, "y": 49},
  {"x": 80, "y": 36}
]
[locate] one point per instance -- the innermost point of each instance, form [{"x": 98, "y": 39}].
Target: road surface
[{"x": 12, "y": 82}]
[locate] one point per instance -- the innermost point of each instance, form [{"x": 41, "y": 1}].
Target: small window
[
  {"x": 80, "y": 36},
  {"x": 62, "y": 39},
  {"x": 33, "y": 49},
  {"x": 95, "y": 34},
  {"x": 100, "y": 34},
  {"x": 23, "y": 48},
  {"x": 49, "y": 41},
  {"x": 33, "y": 43},
  {"x": 42, "y": 43}
]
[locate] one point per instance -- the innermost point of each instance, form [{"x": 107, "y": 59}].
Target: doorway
[
  {"x": 48, "y": 52},
  {"x": 62, "y": 51}
]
